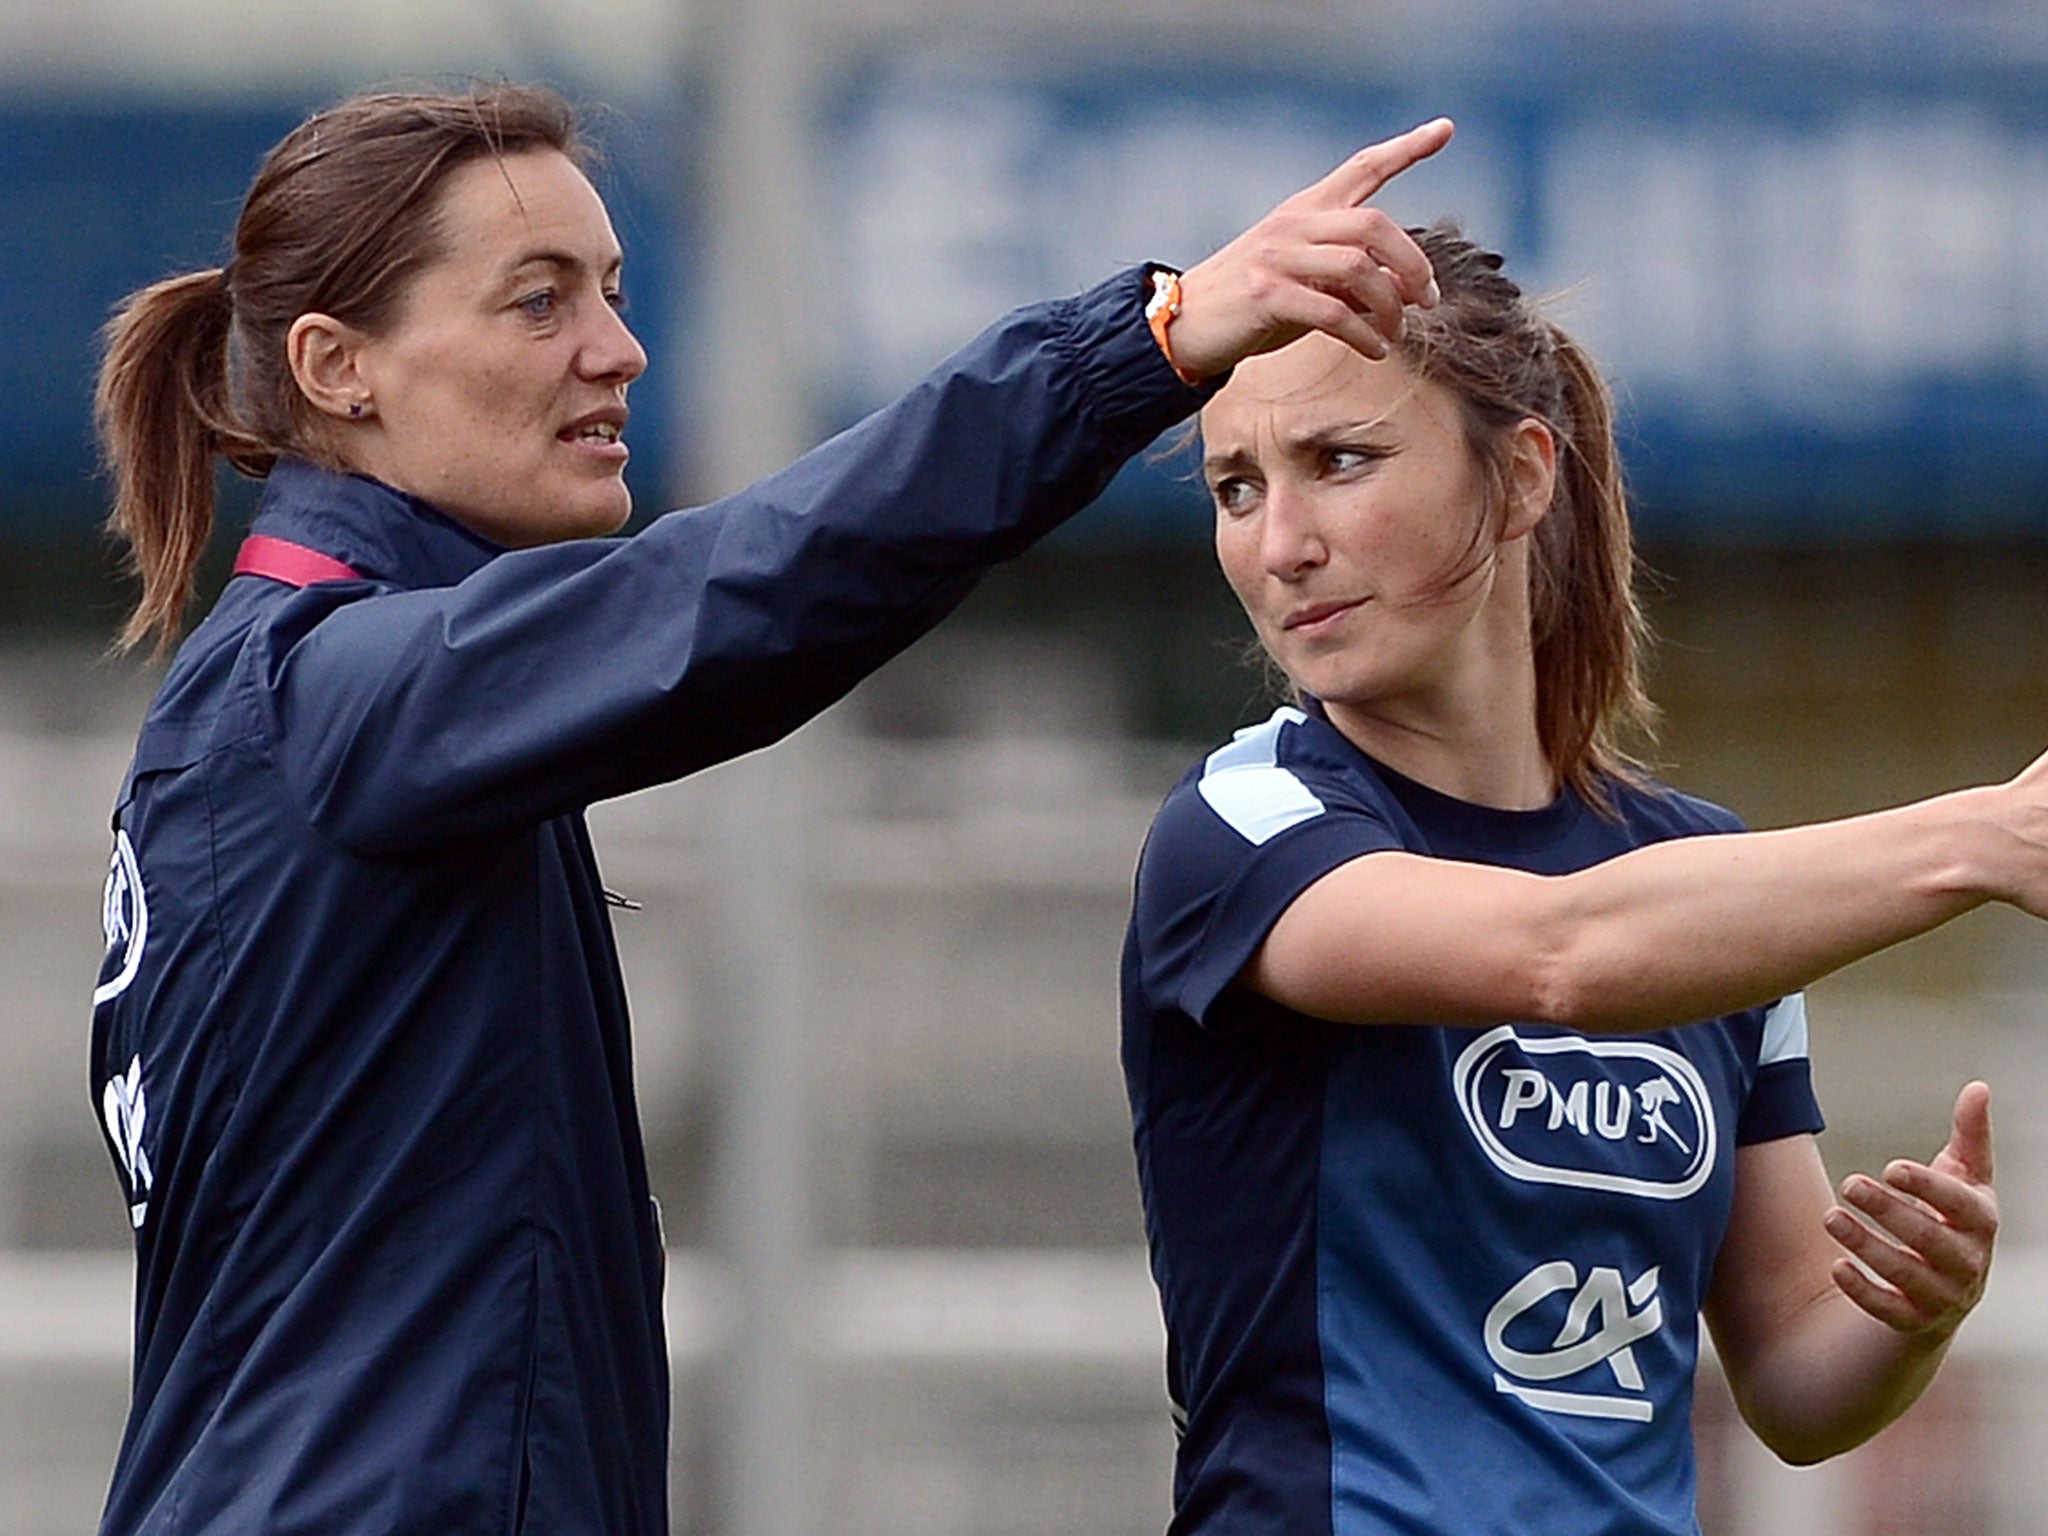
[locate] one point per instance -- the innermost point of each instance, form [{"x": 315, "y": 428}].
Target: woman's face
[
  {"x": 1347, "y": 498},
  {"x": 499, "y": 394}
]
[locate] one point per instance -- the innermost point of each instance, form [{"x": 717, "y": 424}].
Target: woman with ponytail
[
  {"x": 1467, "y": 1062},
  {"x": 360, "y": 1043}
]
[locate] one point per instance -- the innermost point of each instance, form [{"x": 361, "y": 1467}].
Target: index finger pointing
[{"x": 1373, "y": 167}]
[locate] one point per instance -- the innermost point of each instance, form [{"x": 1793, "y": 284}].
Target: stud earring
[{"x": 355, "y": 410}]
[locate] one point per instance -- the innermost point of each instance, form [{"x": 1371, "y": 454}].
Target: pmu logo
[
  {"x": 1592, "y": 1325},
  {"x": 1624, "y": 1116}
]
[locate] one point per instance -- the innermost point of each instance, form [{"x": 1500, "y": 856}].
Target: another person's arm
[
  {"x": 562, "y": 675},
  {"x": 1821, "y": 1351}
]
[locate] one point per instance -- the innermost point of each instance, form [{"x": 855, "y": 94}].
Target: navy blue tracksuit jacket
[{"x": 360, "y": 1044}]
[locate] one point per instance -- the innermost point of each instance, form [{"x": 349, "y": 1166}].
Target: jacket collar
[{"x": 383, "y": 533}]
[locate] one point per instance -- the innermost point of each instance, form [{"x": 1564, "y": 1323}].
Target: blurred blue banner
[
  {"x": 1821, "y": 293},
  {"x": 1818, "y": 278},
  {"x": 98, "y": 199}
]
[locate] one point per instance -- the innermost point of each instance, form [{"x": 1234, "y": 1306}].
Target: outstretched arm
[
  {"x": 1664, "y": 935},
  {"x": 1830, "y": 1327}
]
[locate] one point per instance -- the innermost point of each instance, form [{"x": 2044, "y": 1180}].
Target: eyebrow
[
  {"x": 1236, "y": 458},
  {"x": 1345, "y": 432},
  {"x": 567, "y": 261}
]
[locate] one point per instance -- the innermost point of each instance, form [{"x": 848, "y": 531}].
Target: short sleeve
[
  {"x": 1230, "y": 850},
  {"x": 1782, "y": 1101}
]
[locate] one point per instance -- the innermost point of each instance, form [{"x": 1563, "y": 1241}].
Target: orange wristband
[{"x": 1160, "y": 311}]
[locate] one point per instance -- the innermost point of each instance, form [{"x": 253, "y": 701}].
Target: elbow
[
  {"x": 1563, "y": 984},
  {"x": 1590, "y": 971},
  {"x": 1799, "y": 1452},
  {"x": 1556, "y": 995},
  {"x": 1564, "y": 958},
  {"x": 1798, "y": 1446},
  {"x": 1803, "y": 1424}
]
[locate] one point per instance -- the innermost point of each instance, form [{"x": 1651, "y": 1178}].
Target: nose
[
  {"x": 1290, "y": 537},
  {"x": 611, "y": 353}
]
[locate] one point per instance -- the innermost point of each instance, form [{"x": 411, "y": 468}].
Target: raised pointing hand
[{"x": 1320, "y": 261}]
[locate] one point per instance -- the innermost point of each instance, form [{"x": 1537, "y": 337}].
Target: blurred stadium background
[{"x": 874, "y": 973}]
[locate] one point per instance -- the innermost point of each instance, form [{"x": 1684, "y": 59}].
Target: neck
[
  {"x": 1470, "y": 731},
  {"x": 1476, "y": 756}
]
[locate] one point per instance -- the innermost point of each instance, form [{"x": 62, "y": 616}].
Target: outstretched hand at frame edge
[
  {"x": 1921, "y": 1253},
  {"x": 1320, "y": 261}
]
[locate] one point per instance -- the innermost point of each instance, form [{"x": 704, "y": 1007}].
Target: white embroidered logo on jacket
[
  {"x": 124, "y": 919},
  {"x": 126, "y": 1113}
]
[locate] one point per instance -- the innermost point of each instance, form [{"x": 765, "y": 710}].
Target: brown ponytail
[
  {"x": 161, "y": 409},
  {"x": 1505, "y": 363},
  {"x": 339, "y": 221},
  {"x": 1587, "y": 625}
]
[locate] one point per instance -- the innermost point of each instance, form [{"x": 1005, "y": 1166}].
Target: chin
[
  {"x": 608, "y": 513},
  {"x": 578, "y": 517}
]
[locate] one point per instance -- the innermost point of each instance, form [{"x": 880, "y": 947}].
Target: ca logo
[
  {"x": 126, "y": 1113},
  {"x": 1601, "y": 1323}
]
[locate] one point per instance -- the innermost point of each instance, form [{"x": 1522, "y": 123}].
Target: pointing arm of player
[
  {"x": 1830, "y": 1327},
  {"x": 1665, "y": 935},
  {"x": 1320, "y": 261}
]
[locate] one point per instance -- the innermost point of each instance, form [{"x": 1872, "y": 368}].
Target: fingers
[
  {"x": 1318, "y": 262},
  {"x": 1888, "y": 1306},
  {"x": 1968, "y": 1153},
  {"x": 1362, "y": 176},
  {"x": 1923, "y": 1245},
  {"x": 1352, "y": 266},
  {"x": 1942, "y": 1223},
  {"x": 1907, "y": 1288}
]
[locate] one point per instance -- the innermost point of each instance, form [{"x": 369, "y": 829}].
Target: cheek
[
  {"x": 482, "y": 394},
  {"x": 504, "y": 400},
  {"x": 1236, "y": 556}
]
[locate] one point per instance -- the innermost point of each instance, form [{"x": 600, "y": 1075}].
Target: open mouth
[{"x": 605, "y": 432}]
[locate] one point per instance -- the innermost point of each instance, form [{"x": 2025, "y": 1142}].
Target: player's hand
[
  {"x": 1927, "y": 1229},
  {"x": 1321, "y": 261}
]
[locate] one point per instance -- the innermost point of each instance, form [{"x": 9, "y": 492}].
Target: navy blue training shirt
[
  {"x": 360, "y": 1044},
  {"x": 1421, "y": 1280}
]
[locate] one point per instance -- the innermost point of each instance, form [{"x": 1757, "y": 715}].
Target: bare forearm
[
  {"x": 1699, "y": 926},
  {"x": 1836, "y": 1381},
  {"x": 1661, "y": 936},
  {"x": 1831, "y": 1324}
]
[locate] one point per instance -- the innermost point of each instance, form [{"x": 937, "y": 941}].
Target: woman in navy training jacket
[
  {"x": 360, "y": 1042},
  {"x": 1465, "y": 1074}
]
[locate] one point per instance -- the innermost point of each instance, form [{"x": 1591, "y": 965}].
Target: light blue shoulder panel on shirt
[
  {"x": 1784, "y": 1031},
  {"x": 1245, "y": 784}
]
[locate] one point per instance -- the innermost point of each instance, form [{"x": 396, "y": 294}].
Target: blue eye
[
  {"x": 617, "y": 300},
  {"x": 539, "y": 306}
]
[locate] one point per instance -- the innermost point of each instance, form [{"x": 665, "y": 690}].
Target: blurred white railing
[{"x": 1966, "y": 1460}]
